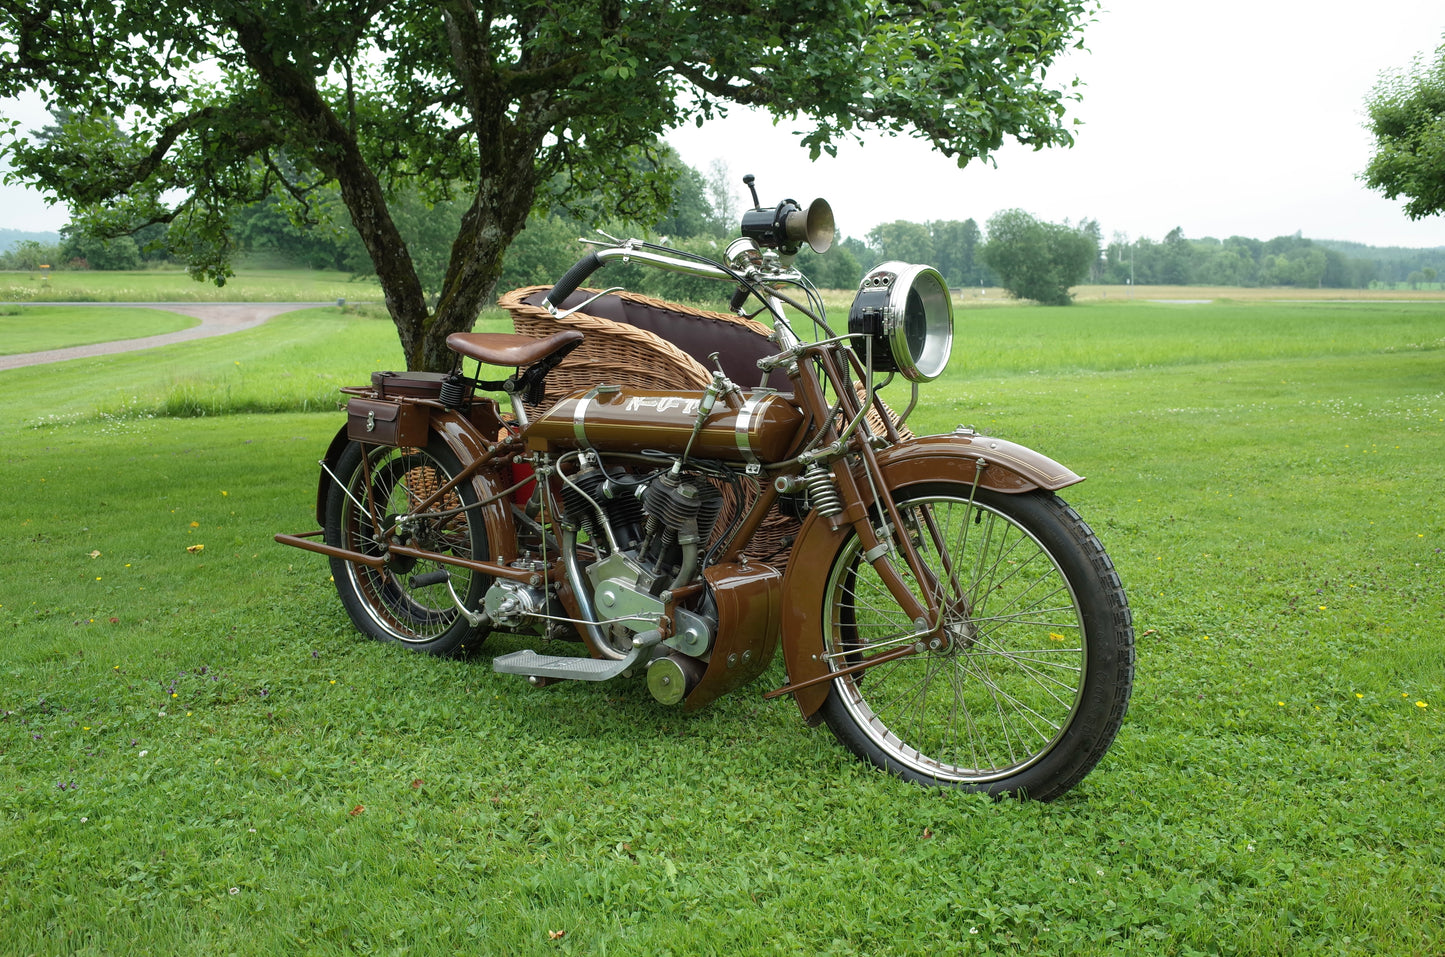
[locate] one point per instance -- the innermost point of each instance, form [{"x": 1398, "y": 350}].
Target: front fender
[
  {"x": 1010, "y": 467},
  {"x": 1007, "y": 467}
]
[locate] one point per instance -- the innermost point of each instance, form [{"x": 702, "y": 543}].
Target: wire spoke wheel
[
  {"x": 378, "y": 503},
  {"x": 1024, "y": 686}
]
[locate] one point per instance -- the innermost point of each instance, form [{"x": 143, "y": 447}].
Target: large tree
[
  {"x": 182, "y": 109},
  {"x": 1407, "y": 118}
]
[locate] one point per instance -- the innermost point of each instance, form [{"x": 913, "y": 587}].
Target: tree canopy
[
  {"x": 1407, "y": 118},
  {"x": 181, "y": 110}
]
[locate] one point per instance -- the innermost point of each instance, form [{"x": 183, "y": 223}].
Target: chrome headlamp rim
[{"x": 914, "y": 321}]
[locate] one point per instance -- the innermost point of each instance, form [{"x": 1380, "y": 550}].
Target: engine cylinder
[{"x": 592, "y": 488}]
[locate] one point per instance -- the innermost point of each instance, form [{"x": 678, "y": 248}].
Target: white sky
[{"x": 1232, "y": 117}]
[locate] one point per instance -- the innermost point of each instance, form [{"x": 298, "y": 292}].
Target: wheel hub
[{"x": 399, "y": 564}]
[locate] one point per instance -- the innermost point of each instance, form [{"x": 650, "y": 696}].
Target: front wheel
[
  {"x": 1031, "y": 681},
  {"x": 407, "y": 600}
]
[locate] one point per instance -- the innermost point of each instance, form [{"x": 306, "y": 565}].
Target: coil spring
[
  {"x": 454, "y": 391},
  {"x": 819, "y": 483}
]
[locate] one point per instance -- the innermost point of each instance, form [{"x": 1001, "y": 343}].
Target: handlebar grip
[
  {"x": 740, "y": 296},
  {"x": 573, "y": 278}
]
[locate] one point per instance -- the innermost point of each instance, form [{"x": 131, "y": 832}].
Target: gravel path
[{"x": 217, "y": 319}]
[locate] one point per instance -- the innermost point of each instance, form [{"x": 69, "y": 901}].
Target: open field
[
  {"x": 1254, "y": 294},
  {"x": 293, "y": 285},
  {"x": 169, "y": 285},
  {"x": 201, "y": 754},
  {"x": 973, "y": 300}
]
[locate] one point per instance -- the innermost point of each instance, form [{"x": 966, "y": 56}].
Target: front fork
[
  {"x": 879, "y": 542},
  {"x": 890, "y": 535},
  {"x": 878, "y": 545}
]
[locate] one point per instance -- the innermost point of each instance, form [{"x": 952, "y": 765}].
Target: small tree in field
[
  {"x": 1038, "y": 260},
  {"x": 181, "y": 110}
]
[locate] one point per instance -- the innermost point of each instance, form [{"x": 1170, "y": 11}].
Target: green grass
[
  {"x": 165, "y": 285},
  {"x": 39, "y": 328},
  {"x": 295, "y": 362},
  {"x": 201, "y": 754},
  {"x": 1101, "y": 337}
]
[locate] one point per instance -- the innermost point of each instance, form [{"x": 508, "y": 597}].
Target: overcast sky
[
  {"x": 1230, "y": 117},
  {"x": 1233, "y": 117}
]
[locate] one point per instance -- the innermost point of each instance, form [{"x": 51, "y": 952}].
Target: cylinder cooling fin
[{"x": 907, "y": 313}]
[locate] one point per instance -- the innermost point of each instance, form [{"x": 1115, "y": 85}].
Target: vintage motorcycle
[{"x": 685, "y": 491}]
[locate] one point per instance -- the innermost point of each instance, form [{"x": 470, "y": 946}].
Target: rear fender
[
  {"x": 463, "y": 440},
  {"x": 466, "y": 442},
  {"x": 956, "y": 457}
]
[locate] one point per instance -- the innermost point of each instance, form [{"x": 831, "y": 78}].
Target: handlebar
[
  {"x": 573, "y": 278},
  {"x": 594, "y": 260}
]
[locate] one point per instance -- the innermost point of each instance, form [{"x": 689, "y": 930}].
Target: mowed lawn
[
  {"x": 39, "y": 328},
  {"x": 198, "y": 755}
]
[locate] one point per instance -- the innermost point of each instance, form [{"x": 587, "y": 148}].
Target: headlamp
[{"x": 906, "y": 311}]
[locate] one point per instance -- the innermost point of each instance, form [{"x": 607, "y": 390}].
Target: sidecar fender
[
  {"x": 1007, "y": 467},
  {"x": 459, "y": 434}
]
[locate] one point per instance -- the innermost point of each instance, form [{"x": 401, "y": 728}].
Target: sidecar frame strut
[{"x": 523, "y": 575}]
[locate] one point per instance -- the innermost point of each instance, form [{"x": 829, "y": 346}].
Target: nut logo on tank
[{"x": 662, "y": 403}]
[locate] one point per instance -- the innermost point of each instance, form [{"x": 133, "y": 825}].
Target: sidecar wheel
[
  {"x": 407, "y": 600},
  {"x": 1033, "y": 681}
]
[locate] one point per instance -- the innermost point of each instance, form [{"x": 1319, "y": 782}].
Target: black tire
[
  {"x": 1035, "y": 680},
  {"x": 407, "y": 600}
]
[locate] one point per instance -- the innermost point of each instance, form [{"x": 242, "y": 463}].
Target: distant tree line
[
  {"x": 1282, "y": 261},
  {"x": 950, "y": 246},
  {"x": 282, "y": 232},
  {"x": 1028, "y": 257}
]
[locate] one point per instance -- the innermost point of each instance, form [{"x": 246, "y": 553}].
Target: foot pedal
[{"x": 533, "y": 665}]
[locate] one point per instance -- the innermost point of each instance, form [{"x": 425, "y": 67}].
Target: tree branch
[
  {"x": 755, "y": 93},
  {"x": 335, "y": 152}
]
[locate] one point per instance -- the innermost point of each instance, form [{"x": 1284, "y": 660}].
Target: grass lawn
[
  {"x": 39, "y": 328},
  {"x": 200, "y": 753}
]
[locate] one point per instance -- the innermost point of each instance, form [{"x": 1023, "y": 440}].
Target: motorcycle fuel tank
[{"x": 759, "y": 426}]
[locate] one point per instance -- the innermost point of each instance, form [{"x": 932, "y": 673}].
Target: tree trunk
[
  {"x": 505, "y": 191},
  {"x": 499, "y": 210},
  {"x": 333, "y": 149}
]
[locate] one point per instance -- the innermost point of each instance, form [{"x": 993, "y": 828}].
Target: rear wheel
[
  {"x": 407, "y": 600},
  {"x": 1032, "y": 681}
]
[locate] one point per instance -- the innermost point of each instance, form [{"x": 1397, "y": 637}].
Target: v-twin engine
[
  {"x": 648, "y": 539},
  {"x": 647, "y": 536}
]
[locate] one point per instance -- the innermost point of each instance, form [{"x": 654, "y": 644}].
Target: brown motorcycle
[{"x": 682, "y": 492}]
